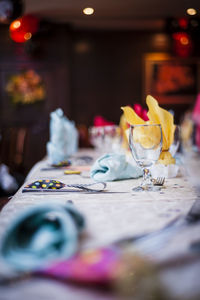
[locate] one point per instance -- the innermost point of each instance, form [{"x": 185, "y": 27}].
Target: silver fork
[{"x": 158, "y": 181}]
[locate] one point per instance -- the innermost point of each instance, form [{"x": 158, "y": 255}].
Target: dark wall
[{"x": 108, "y": 72}]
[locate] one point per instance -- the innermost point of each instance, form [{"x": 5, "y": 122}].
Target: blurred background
[{"x": 52, "y": 55}]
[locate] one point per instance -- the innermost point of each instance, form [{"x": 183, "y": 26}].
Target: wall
[{"x": 107, "y": 72}]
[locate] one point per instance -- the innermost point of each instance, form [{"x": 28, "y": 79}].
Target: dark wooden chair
[
  {"x": 12, "y": 150},
  {"x": 84, "y": 139}
]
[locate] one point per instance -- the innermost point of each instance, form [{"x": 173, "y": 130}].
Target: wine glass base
[{"x": 146, "y": 188}]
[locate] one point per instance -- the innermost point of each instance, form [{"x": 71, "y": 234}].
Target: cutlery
[
  {"x": 89, "y": 191},
  {"x": 159, "y": 181},
  {"x": 53, "y": 168},
  {"x": 88, "y": 185},
  {"x": 100, "y": 186}
]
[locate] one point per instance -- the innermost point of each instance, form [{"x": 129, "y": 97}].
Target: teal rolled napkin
[
  {"x": 41, "y": 234},
  {"x": 114, "y": 166}
]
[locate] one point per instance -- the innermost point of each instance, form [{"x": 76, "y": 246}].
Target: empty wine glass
[
  {"x": 145, "y": 142},
  {"x": 106, "y": 138}
]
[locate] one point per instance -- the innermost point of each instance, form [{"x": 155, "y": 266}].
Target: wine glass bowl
[
  {"x": 145, "y": 142},
  {"x": 106, "y": 138}
]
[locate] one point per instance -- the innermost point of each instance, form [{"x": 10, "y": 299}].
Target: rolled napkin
[
  {"x": 114, "y": 166},
  {"x": 63, "y": 138},
  {"x": 41, "y": 234}
]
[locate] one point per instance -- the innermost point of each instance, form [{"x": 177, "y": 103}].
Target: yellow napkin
[
  {"x": 157, "y": 115},
  {"x": 128, "y": 117}
]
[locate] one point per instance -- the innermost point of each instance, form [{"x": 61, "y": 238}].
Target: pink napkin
[
  {"x": 196, "y": 111},
  {"x": 196, "y": 118},
  {"x": 100, "y": 121}
]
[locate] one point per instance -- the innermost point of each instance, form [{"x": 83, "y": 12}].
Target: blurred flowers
[{"x": 26, "y": 87}]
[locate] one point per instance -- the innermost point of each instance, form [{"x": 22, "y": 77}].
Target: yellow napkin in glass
[{"x": 156, "y": 115}]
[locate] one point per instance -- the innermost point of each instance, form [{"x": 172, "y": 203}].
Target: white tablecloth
[{"x": 109, "y": 217}]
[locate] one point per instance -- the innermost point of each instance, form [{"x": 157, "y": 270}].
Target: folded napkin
[
  {"x": 114, "y": 166},
  {"x": 41, "y": 234},
  {"x": 89, "y": 266},
  {"x": 63, "y": 138},
  {"x": 156, "y": 115}
]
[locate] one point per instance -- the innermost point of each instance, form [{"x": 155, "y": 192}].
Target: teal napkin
[
  {"x": 114, "y": 166},
  {"x": 63, "y": 137},
  {"x": 41, "y": 234}
]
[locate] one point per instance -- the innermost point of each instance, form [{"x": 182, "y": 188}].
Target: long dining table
[{"x": 112, "y": 215}]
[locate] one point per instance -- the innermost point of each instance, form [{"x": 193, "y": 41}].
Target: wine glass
[
  {"x": 145, "y": 142},
  {"x": 106, "y": 138}
]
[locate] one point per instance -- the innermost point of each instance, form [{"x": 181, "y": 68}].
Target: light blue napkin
[
  {"x": 41, "y": 234},
  {"x": 63, "y": 137},
  {"x": 114, "y": 166}
]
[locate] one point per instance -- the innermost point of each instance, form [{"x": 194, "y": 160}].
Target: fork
[{"x": 158, "y": 181}]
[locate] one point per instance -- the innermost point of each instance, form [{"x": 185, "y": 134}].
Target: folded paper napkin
[
  {"x": 89, "y": 266},
  {"x": 156, "y": 115},
  {"x": 114, "y": 166},
  {"x": 63, "y": 138},
  {"x": 41, "y": 234}
]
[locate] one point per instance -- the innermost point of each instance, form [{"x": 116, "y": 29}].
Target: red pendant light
[
  {"x": 23, "y": 28},
  {"x": 183, "y": 45}
]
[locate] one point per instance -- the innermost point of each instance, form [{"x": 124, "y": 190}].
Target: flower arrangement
[{"x": 26, "y": 87}]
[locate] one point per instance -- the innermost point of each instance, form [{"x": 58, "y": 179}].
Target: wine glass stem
[{"x": 146, "y": 177}]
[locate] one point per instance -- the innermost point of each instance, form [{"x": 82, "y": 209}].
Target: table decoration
[
  {"x": 63, "y": 138},
  {"x": 26, "y": 87},
  {"x": 157, "y": 115},
  {"x": 114, "y": 166}
]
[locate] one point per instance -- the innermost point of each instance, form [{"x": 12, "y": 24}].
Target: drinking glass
[
  {"x": 145, "y": 142},
  {"x": 106, "y": 138}
]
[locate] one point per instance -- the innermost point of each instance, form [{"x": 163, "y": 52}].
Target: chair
[{"x": 12, "y": 150}]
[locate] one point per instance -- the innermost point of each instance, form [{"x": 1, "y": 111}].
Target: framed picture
[{"x": 171, "y": 80}]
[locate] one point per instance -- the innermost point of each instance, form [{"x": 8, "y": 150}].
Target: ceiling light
[
  {"x": 191, "y": 11},
  {"x": 27, "y": 36},
  {"x": 88, "y": 11},
  {"x": 15, "y": 24}
]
